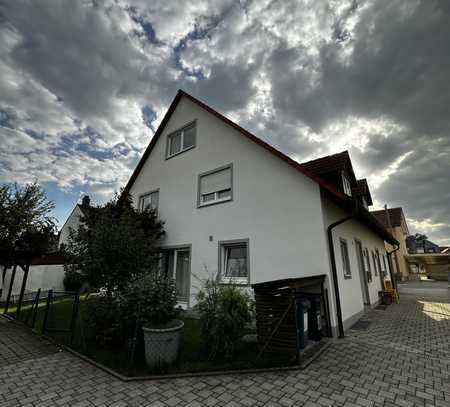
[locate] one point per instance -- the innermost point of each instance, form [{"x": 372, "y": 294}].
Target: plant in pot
[{"x": 152, "y": 299}]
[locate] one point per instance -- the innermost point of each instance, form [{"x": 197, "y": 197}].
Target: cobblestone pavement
[{"x": 401, "y": 359}]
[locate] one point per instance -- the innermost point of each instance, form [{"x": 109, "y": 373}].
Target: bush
[
  {"x": 73, "y": 280},
  {"x": 105, "y": 321},
  {"x": 224, "y": 311},
  {"x": 151, "y": 298}
]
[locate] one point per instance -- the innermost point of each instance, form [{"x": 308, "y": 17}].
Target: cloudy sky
[{"x": 84, "y": 84}]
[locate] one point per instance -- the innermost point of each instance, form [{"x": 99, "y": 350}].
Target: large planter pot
[{"x": 161, "y": 344}]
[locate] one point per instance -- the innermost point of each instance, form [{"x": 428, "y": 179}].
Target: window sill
[
  {"x": 219, "y": 201},
  {"x": 180, "y": 152},
  {"x": 235, "y": 281}
]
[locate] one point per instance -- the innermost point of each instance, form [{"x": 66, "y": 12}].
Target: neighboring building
[
  {"x": 428, "y": 258},
  {"x": 419, "y": 245},
  {"x": 394, "y": 220},
  {"x": 235, "y": 207},
  {"x": 47, "y": 271}
]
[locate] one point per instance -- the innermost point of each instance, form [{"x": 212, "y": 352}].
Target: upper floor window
[
  {"x": 215, "y": 186},
  {"x": 346, "y": 185},
  {"x": 345, "y": 259},
  {"x": 149, "y": 201},
  {"x": 181, "y": 140}
]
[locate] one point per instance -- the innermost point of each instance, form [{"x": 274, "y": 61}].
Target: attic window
[
  {"x": 346, "y": 185},
  {"x": 181, "y": 140}
]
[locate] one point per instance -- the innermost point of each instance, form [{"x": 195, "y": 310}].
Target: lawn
[{"x": 192, "y": 355}]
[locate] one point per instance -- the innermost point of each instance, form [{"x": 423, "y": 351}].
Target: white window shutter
[{"x": 216, "y": 181}]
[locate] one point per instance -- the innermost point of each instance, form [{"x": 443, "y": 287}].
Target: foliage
[
  {"x": 73, "y": 280},
  {"x": 113, "y": 243},
  {"x": 26, "y": 227},
  {"x": 151, "y": 298},
  {"x": 224, "y": 311},
  {"x": 104, "y": 320}
]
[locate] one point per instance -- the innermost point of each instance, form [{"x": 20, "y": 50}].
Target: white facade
[
  {"x": 352, "y": 301},
  {"x": 274, "y": 208}
]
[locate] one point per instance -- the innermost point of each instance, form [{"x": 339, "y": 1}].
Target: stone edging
[
  {"x": 303, "y": 365},
  {"x": 123, "y": 378}
]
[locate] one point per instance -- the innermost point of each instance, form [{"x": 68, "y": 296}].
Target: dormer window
[
  {"x": 181, "y": 140},
  {"x": 346, "y": 185}
]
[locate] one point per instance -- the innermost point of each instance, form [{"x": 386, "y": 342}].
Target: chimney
[{"x": 86, "y": 202}]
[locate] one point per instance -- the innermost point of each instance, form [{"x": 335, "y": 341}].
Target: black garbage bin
[
  {"x": 302, "y": 307},
  {"x": 315, "y": 319}
]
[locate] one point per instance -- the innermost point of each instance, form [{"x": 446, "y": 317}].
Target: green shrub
[
  {"x": 105, "y": 321},
  {"x": 224, "y": 311},
  {"x": 72, "y": 281},
  {"x": 151, "y": 298}
]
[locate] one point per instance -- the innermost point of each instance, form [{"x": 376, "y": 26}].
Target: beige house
[{"x": 394, "y": 221}]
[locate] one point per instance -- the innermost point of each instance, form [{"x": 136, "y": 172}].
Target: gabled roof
[
  {"x": 331, "y": 164},
  {"x": 362, "y": 189},
  {"x": 336, "y": 196},
  {"x": 395, "y": 217}
]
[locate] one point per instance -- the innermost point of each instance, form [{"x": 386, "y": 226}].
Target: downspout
[
  {"x": 394, "y": 282},
  {"x": 333, "y": 268}
]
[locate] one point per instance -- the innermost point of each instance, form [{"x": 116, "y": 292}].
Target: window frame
[
  {"x": 222, "y": 246},
  {"x": 215, "y": 201},
  {"x": 347, "y": 273},
  {"x": 175, "y": 133},
  {"x": 375, "y": 265},
  {"x": 142, "y": 196},
  {"x": 346, "y": 184},
  {"x": 367, "y": 266}
]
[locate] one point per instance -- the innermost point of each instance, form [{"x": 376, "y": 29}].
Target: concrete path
[{"x": 401, "y": 359}]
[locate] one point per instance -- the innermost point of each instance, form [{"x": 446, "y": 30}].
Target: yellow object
[{"x": 391, "y": 290}]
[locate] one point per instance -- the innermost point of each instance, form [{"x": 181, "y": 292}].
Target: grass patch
[{"x": 192, "y": 355}]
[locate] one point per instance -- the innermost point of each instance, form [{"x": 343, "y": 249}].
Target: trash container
[
  {"x": 302, "y": 306},
  {"x": 315, "y": 319}
]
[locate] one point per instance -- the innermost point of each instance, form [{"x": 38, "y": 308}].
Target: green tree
[
  {"x": 26, "y": 227},
  {"x": 114, "y": 243}
]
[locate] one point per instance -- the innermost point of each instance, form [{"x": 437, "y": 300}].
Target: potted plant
[{"x": 153, "y": 299}]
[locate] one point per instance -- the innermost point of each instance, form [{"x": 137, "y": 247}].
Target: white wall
[
  {"x": 274, "y": 206},
  {"x": 72, "y": 222},
  {"x": 44, "y": 277},
  {"x": 350, "y": 289}
]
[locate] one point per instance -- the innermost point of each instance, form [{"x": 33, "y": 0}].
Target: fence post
[
  {"x": 75, "y": 308},
  {"x": 35, "y": 309},
  {"x": 11, "y": 282},
  {"x": 47, "y": 309},
  {"x": 22, "y": 289}
]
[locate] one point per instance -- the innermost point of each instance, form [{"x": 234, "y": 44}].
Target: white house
[{"x": 234, "y": 205}]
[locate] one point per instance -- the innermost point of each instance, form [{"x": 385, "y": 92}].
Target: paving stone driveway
[{"x": 401, "y": 359}]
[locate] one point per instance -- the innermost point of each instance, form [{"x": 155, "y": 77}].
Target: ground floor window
[
  {"x": 345, "y": 259},
  {"x": 175, "y": 263},
  {"x": 367, "y": 267},
  {"x": 234, "y": 261}
]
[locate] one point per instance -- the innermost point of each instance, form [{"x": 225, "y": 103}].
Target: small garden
[{"x": 127, "y": 317}]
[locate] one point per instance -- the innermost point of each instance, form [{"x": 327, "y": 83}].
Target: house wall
[
  {"x": 44, "y": 277},
  {"x": 350, "y": 289},
  {"x": 274, "y": 206},
  {"x": 73, "y": 221},
  {"x": 398, "y": 257}
]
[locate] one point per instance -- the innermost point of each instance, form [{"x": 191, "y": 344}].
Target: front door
[{"x": 362, "y": 273}]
